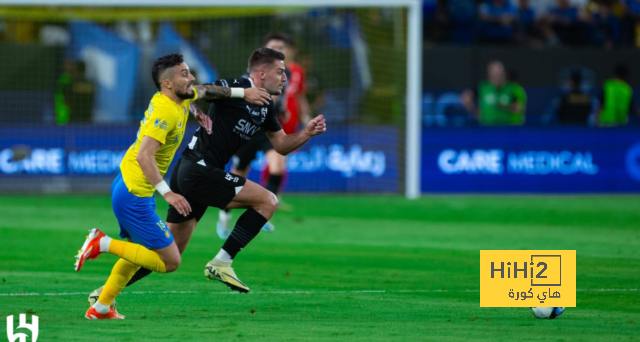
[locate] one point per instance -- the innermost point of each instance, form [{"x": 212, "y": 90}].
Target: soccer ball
[
  {"x": 93, "y": 298},
  {"x": 550, "y": 313}
]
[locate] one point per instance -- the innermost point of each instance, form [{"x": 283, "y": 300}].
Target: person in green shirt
[
  {"x": 616, "y": 99},
  {"x": 500, "y": 101}
]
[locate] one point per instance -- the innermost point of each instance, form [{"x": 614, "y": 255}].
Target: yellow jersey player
[{"x": 151, "y": 245}]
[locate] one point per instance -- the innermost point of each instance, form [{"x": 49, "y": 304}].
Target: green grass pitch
[{"x": 337, "y": 268}]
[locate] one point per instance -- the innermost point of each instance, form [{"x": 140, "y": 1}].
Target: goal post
[{"x": 410, "y": 32}]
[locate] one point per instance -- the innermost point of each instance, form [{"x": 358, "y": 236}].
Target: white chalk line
[{"x": 33, "y": 294}]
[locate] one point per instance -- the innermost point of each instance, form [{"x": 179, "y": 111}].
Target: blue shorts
[{"x": 137, "y": 217}]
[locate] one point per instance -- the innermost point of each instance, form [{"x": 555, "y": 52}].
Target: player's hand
[
  {"x": 178, "y": 202},
  {"x": 317, "y": 125},
  {"x": 257, "y": 96},
  {"x": 203, "y": 119}
]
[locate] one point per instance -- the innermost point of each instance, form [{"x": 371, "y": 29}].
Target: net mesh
[{"x": 76, "y": 83}]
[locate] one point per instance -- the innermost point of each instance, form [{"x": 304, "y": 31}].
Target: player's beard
[{"x": 189, "y": 94}]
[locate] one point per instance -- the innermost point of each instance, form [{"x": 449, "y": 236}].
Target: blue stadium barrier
[
  {"x": 529, "y": 160},
  {"x": 345, "y": 159}
]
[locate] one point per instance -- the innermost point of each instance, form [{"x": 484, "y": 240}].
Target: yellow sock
[
  {"x": 137, "y": 255},
  {"x": 120, "y": 275}
]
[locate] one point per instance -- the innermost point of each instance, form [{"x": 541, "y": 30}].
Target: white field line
[{"x": 31, "y": 294}]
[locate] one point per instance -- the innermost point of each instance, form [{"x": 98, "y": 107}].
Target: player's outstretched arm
[
  {"x": 212, "y": 92},
  {"x": 147, "y": 160},
  {"x": 285, "y": 144}
]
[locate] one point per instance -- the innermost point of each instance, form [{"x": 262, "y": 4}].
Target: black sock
[
  {"x": 141, "y": 273},
  {"x": 247, "y": 227},
  {"x": 273, "y": 184}
]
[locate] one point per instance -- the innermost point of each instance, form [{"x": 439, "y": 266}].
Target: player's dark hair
[
  {"x": 163, "y": 63},
  {"x": 287, "y": 39},
  {"x": 264, "y": 55}
]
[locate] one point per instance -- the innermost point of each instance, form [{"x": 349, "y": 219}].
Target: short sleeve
[
  {"x": 161, "y": 121},
  {"x": 520, "y": 93},
  {"x": 271, "y": 123}
]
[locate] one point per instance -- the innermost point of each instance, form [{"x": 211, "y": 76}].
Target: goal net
[{"x": 77, "y": 82}]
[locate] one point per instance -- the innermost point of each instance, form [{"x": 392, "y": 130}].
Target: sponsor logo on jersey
[
  {"x": 246, "y": 129},
  {"x": 163, "y": 125},
  {"x": 263, "y": 113},
  {"x": 231, "y": 178}
]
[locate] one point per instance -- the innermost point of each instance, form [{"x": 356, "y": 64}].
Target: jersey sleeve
[
  {"x": 161, "y": 121},
  {"x": 233, "y": 83},
  {"x": 195, "y": 97},
  {"x": 271, "y": 123},
  {"x": 521, "y": 96}
]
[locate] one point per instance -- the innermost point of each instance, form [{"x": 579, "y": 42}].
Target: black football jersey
[{"x": 234, "y": 122}]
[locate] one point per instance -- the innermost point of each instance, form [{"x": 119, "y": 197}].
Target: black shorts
[
  {"x": 202, "y": 186},
  {"x": 247, "y": 153}
]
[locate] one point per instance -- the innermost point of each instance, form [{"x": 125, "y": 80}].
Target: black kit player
[
  {"x": 199, "y": 175},
  {"x": 241, "y": 160}
]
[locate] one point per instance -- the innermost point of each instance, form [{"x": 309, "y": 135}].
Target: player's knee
[
  {"x": 173, "y": 264},
  {"x": 272, "y": 201}
]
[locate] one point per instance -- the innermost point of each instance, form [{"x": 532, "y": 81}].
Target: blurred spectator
[
  {"x": 631, "y": 23},
  {"x": 562, "y": 25},
  {"x": 439, "y": 23},
  {"x": 605, "y": 26},
  {"x": 74, "y": 94},
  {"x": 575, "y": 106},
  {"x": 501, "y": 101},
  {"x": 498, "y": 18},
  {"x": 542, "y": 7},
  {"x": 616, "y": 99},
  {"x": 464, "y": 16},
  {"x": 526, "y": 22}
]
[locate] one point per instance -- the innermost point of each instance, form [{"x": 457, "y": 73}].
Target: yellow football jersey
[{"x": 164, "y": 121}]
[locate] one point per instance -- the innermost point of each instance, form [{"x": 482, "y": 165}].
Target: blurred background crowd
[
  {"x": 534, "y": 23},
  {"x": 485, "y": 62},
  {"x": 590, "y": 83}
]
